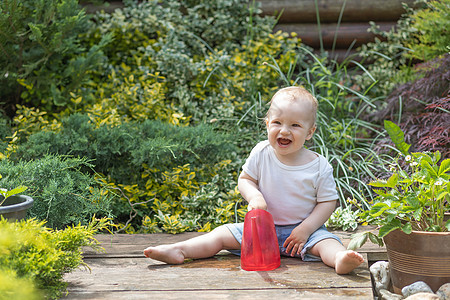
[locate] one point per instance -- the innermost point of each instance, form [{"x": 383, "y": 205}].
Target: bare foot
[
  {"x": 165, "y": 253},
  {"x": 347, "y": 261}
]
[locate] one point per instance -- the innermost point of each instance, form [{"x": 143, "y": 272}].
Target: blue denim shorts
[{"x": 283, "y": 232}]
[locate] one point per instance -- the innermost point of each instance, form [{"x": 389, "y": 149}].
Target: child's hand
[
  {"x": 295, "y": 242},
  {"x": 255, "y": 203}
]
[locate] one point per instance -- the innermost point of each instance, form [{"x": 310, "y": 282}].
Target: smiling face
[{"x": 290, "y": 122}]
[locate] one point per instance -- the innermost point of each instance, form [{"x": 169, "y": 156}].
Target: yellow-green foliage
[
  {"x": 178, "y": 200},
  {"x": 229, "y": 79},
  {"x": 13, "y": 287},
  {"x": 170, "y": 63},
  {"x": 127, "y": 95},
  {"x": 39, "y": 256},
  {"x": 156, "y": 72},
  {"x": 431, "y": 35},
  {"x": 10, "y": 147},
  {"x": 30, "y": 120},
  {"x": 43, "y": 58}
]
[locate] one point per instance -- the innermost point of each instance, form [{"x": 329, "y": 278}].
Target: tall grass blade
[
  {"x": 341, "y": 13},
  {"x": 318, "y": 27}
]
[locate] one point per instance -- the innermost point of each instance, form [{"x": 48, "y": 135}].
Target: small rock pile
[{"x": 418, "y": 290}]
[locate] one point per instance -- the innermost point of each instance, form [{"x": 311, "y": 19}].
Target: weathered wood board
[
  {"x": 122, "y": 272},
  {"x": 213, "y": 278},
  {"x": 304, "y": 11},
  {"x": 345, "y": 34},
  {"x": 132, "y": 245}
]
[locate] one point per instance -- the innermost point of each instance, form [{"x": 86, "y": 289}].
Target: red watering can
[{"x": 259, "y": 249}]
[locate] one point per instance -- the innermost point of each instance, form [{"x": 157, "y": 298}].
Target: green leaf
[
  {"x": 426, "y": 165},
  {"x": 393, "y": 180},
  {"x": 358, "y": 240},
  {"x": 447, "y": 225},
  {"x": 36, "y": 34},
  {"x": 397, "y": 136},
  {"x": 417, "y": 214},
  {"x": 444, "y": 168},
  {"x": 382, "y": 193},
  {"x": 379, "y": 183},
  {"x": 407, "y": 228},
  {"x": 385, "y": 229},
  {"x": 412, "y": 200},
  {"x": 377, "y": 209},
  {"x": 437, "y": 156},
  {"x": 441, "y": 195},
  {"x": 15, "y": 191},
  {"x": 375, "y": 239}
]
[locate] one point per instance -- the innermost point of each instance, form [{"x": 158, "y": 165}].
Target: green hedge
[
  {"x": 121, "y": 151},
  {"x": 63, "y": 194}
]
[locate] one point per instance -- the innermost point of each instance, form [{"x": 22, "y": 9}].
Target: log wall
[{"x": 300, "y": 16}]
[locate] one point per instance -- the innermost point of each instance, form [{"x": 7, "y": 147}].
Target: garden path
[{"x": 122, "y": 272}]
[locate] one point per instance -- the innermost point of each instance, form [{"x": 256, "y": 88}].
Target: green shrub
[
  {"x": 229, "y": 84},
  {"x": 174, "y": 61},
  {"x": 163, "y": 29},
  {"x": 138, "y": 158},
  {"x": 39, "y": 257},
  {"x": 420, "y": 34},
  {"x": 42, "y": 59},
  {"x": 386, "y": 58},
  {"x": 62, "y": 193},
  {"x": 183, "y": 61},
  {"x": 121, "y": 151},
  {"x": 343, "y": 218},
  {"x": 15, "y": 288},
  {"x": 5, "y": 131},
  {"x": 183, "y": 199},
  {"x": 431, "y": 36},
  {"x": 198, "y": 205}
]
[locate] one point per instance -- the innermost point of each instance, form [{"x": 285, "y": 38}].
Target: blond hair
[{"x": 296, "y": 93}]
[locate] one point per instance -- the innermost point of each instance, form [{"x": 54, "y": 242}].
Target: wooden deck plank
[
  {"x": 210, "y": 274},
  {"x": 341, "y": 294},
  {"x": 132, "y": 245},
  {"x": 220, "y": 274},
  {"x": 122, "y": 272}
]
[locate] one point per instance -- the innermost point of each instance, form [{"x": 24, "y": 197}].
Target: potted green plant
[
  {"x": 12, "y": 205},
  {"x": 410, "y": 210}
]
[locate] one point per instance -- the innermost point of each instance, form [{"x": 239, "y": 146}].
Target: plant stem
[{"x": 318, "y": 26}]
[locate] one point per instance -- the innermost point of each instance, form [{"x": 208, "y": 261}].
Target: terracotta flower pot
[
  {"x": 15, "y": 207},
  {"x": 419, "y": 256}
]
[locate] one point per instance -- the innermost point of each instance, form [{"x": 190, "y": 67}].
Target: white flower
[{"x": 408, "y": 157}]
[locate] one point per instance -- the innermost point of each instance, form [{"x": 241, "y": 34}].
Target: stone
[
  {"x": 416, "y": 287},
  {"x": 444, "y": 292},
  {"x": 381, "y": 275},
  {"x": 423, "y": 296},
  {"x": 386, "y": 295}
]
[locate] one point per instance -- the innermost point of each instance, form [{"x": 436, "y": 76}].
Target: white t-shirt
[{"x": 291, "y": 192}]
